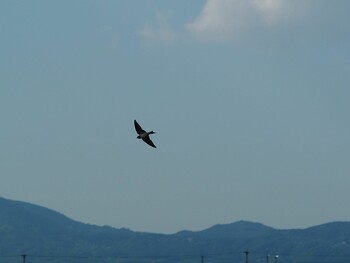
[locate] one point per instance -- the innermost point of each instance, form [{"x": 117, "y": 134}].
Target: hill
[{"x": 48, "y": 236}]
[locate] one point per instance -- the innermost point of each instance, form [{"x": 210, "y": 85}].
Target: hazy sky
[{"x": 249, "y": 99}]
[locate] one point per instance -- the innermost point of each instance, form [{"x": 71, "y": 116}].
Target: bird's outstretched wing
[
  {"x": 138, "y": 128},
  {"x": 148, "y": 141}
]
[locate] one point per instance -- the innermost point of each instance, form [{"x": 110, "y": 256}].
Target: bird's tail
[{"x": 152, "y": 132}]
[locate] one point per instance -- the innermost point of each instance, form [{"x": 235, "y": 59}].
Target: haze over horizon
[
  {"x": 26, "y": 208},
  {"x": 249, "y": 100}
]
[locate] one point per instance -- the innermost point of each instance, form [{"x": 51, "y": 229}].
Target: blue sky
[{"x": 249, "y": 99}]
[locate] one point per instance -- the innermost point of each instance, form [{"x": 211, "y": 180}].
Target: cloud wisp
[
  {"x": 221, "y": 20},
  {"x": 160, "y": 32}
]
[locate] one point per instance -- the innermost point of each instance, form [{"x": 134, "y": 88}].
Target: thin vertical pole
[
  {"x": 246, "y": 256},
  {"x": 24, "y": 258}
]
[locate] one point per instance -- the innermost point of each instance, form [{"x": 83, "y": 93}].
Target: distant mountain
[
  {"x": 48, "y": 236},
  {"x": 31, "y": 229},
  {"x": 240, "y": 229}
]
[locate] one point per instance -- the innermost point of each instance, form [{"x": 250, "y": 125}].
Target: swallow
[{"x": 143, "y": 134}]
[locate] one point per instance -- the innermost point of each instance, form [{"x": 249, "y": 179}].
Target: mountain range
[{"x": 44, "y": 235}]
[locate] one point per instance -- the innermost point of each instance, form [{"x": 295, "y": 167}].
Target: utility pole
[
  {"x": 202, "y": 259},
  {"x": 246, "y": 256},
  {"x": 24, "y": 258}
]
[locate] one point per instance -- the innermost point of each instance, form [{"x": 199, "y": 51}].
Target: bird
[{"x": 143, "y": 134}]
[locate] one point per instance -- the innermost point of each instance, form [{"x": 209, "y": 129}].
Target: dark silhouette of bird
[{"x": 143, "y": 134}]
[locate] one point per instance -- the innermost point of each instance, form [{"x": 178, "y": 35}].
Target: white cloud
[
  {"x": 159, "y": 32},
  {"x": 225, "y": 19}
]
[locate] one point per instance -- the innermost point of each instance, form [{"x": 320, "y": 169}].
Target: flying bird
[{"x": 143, "y": 134}]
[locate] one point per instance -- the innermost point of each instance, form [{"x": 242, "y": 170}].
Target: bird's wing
[
  {"x": 148, "y": 141},
  {"x": 138, "y": 128}
]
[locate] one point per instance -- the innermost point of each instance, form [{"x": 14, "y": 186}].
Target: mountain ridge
[{"x": 51, "y": 233}]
